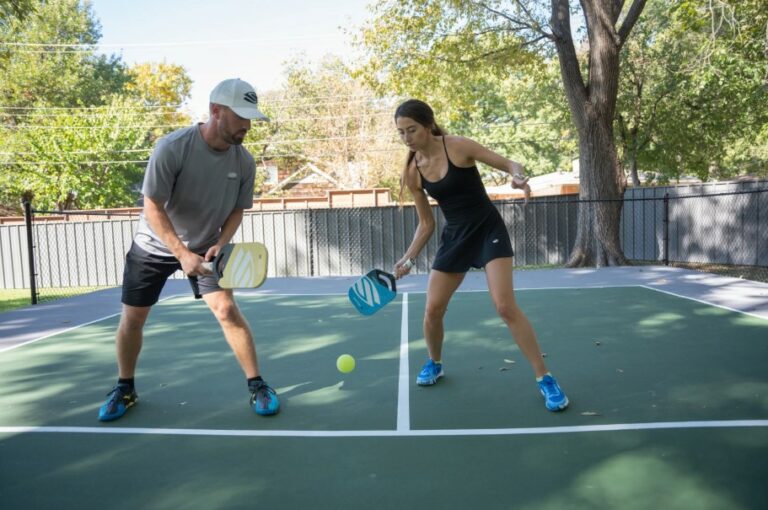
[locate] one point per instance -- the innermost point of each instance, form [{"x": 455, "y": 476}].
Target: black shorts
[
  {"x": 472, "y": 244},
  {"x": 145, "y": 275}
]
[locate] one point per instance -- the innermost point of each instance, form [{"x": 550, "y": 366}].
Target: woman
[{"x": 474, "y": 235}]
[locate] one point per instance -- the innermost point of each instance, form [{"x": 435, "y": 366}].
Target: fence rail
[{"x": 727, "y": 224}]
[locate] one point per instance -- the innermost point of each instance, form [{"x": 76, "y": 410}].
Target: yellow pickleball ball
[{"x": 345, "y": 363}]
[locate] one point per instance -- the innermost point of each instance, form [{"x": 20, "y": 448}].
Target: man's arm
[
  {"x": 160, "y": 223},
  {"x": 228, "y": 230}
]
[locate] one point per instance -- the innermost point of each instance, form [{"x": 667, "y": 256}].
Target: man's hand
[{"x": 192, "y": 264}]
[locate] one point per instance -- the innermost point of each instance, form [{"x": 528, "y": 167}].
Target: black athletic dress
[{"x": 474, "y": 233}]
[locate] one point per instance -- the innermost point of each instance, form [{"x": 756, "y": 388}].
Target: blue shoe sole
[
  {"x": 558, "y": 407},
  {"x": 266, "y": 412},
  {"x": 429, "y": 382},
  {"x": 119, "y": 414}
]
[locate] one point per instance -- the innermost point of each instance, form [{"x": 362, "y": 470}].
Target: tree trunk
[
  {"x": 633, "y": 171},
  {"x": 593, "y": 104},
  {"x": 597, "y": 241}
]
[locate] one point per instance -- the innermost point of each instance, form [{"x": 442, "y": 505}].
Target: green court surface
[{"x": 669, "y": 409}]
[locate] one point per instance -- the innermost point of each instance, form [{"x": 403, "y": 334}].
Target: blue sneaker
[
  {"x": 430, "y": 373},
  {"x": 263, "y": 399},
  {"x": 554, "y": 398},
  {"x": 120, "y": 399}
]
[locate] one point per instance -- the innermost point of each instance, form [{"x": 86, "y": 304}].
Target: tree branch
[
  {"x": 481, "y": 56},
  {"x": 531, "y": 25},
  {"x": 573, "y": 81},
  {"x": 629, "y": 21}
]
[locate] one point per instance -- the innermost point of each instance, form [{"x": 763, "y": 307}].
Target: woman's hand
[
  {"x": 403, "y": 267},
  {"x": 521, "y": 182}
]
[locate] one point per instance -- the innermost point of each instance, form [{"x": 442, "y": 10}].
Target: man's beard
[{"x": 234, "y": 139}]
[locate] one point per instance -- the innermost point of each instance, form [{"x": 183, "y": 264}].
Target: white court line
[
  {"x": 403, "y": 395},
  {"x": 75, "y": 327},
  {"x": 522, "y": 431},
  {"x": 724, "y": 307},
  {"x": 268, "y": 293},
  {"x": 623, "y": 286}
]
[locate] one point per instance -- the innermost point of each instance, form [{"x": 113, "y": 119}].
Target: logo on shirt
[
  {"x": 231, "y": 175},
  {"x": 495, "y": 241}
]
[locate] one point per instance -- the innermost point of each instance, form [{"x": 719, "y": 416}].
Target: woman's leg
[
  {"x": 440, "y": 288},
  {"x": 499, "y": 275}
]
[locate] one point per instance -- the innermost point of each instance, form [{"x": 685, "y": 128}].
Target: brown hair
[{"x": 422, "y": 113}]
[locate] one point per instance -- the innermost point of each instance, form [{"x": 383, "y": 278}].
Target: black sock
[
  {"x": 125, "y": 382},
  {"x": 254, "y": 379}
]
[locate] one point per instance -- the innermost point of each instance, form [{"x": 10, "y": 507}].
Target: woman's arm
[
  {"x": 470, "y": 151},
  {"x": 425, "y": 227}
]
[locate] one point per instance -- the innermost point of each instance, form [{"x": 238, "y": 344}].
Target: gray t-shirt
[{"x": 199, "y": 186}]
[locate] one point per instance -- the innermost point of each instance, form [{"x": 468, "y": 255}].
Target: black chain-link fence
[{"x": 723, "y": 230}]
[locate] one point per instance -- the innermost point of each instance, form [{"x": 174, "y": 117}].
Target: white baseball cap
[{"x": 240, "y": 97}]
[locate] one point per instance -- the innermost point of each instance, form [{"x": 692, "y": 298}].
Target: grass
[{"x": 11, "y": 299}]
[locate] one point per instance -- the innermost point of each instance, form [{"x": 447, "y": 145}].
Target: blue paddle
[{"x": 373, "y": 291}]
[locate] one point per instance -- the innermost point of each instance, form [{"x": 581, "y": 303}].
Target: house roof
[
  {"x": 555, "y": 183},
  {"x": 309, "y": 173}
]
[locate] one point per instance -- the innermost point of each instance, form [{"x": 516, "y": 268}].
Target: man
[{"x": 197, "y": 184}]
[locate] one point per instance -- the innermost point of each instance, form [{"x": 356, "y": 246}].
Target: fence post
[
  {"x": 665, "y": 222},
  {"x": 311, "y": 243},
  {"x": 30, "y": 250}
]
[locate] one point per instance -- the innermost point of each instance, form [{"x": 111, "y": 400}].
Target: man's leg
[
  {"x": 236, "y": 330},
  {"x": 130, "y": 338},
  {"x": 143, "y": 279},
  {"x": 128, "y": 341}
]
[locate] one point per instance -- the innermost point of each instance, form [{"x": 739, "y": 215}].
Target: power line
[
  {"x": 109, "y": 126},
  {"x": 87, "y": 46},
  {"x": 275, "y": 120},
  {"x": 265, "y": 102},
  {"x": 102, "y": 107},
  {"x": 87, "y": 115},
  {"x": 105, "y": 162},
  {"x": 145, "y": 161},
  {"x": 393, "y": 148}
]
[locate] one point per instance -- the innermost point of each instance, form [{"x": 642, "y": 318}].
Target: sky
[{"x": 219, "y": 39}]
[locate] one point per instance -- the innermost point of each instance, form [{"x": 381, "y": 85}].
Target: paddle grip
[{"x": 386, "y": 279}]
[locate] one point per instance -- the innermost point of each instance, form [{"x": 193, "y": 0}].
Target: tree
[
  {"x": 692, "y": 94},
  {"x": 49, "y": 58},
  {"x": 163, "y": 87},
  {"x": 514, "y": 102},
  {"x": 323, "y": 116},
  {"x": 86, "y": 161},
  {"x": 500, "y": 35},
  {"x": 75, "y": 126},
  {"x": 18, "y": 9}
]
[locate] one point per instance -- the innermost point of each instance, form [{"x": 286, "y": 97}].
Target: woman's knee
[
  {"x": 434, "y": 312},
  {"x": 507, "y": 310}
]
